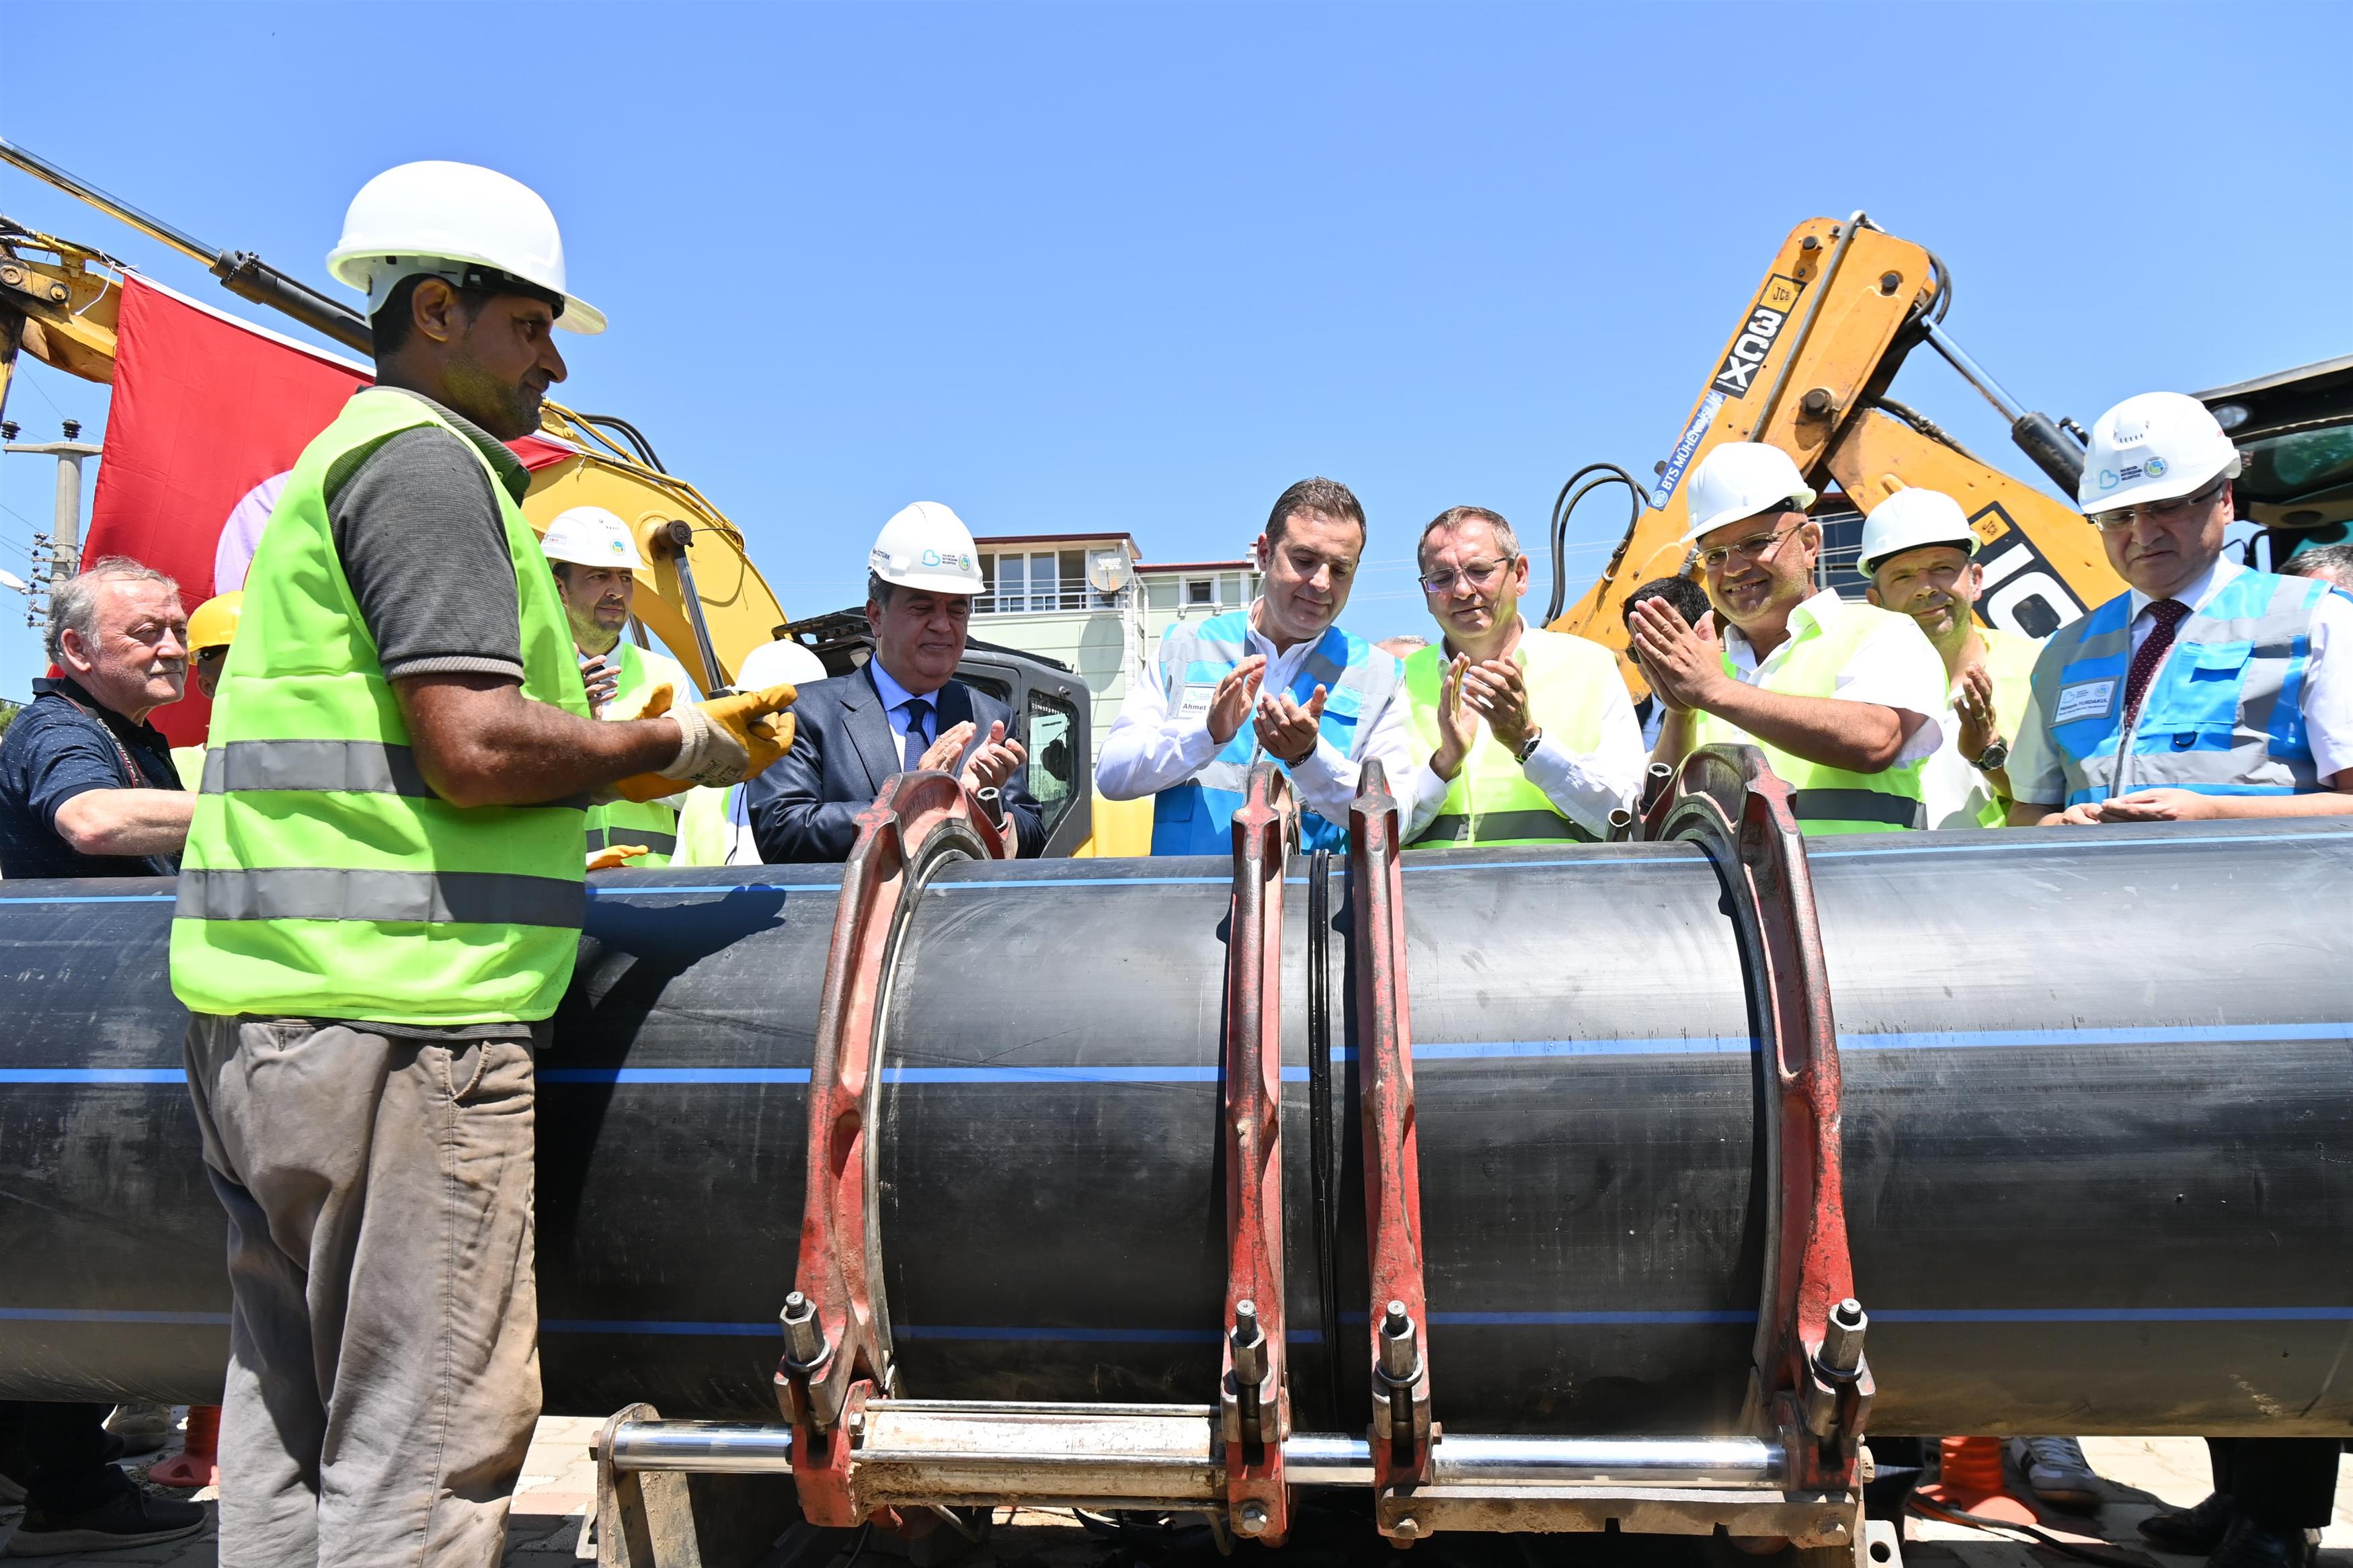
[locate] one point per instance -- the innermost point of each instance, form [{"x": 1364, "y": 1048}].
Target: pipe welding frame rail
[
  {"x": 1397, "y": 1313},
  {"x": 1809, "y": 1383},
  {"x": 1254, "y": 1382},
  {"x": 836, "y": 1321}
]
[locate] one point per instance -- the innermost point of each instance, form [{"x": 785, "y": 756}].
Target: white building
[{"x": 1087, "y": 601}]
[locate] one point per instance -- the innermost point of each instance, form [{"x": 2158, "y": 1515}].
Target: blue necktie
[{"x": 919, "y": 721}]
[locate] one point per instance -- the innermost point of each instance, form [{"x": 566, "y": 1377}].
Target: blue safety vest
[
  {"x": 1359, "y": 681},
  {"x": 2223, "y": 714}
]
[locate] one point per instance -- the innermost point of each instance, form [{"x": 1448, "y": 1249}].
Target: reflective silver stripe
[
  {"x": 660, "y": 843},
  {"x": 1858, "y": 806},
  {"x": 361, "y": 767},
  {"x": 324, "y": 893},
  {"x": 1495, "y": 827}
]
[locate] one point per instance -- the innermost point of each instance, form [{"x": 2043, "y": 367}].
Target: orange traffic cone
[
  {"x": 1972, "y": 1482},
  {"x": 197, "y": 1464}
]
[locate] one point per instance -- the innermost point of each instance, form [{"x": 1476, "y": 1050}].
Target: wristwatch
[
  {"x": 1994, "y": 756},
  {"x": 1527, "y": 747}
]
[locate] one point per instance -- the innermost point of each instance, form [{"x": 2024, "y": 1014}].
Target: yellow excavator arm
[{"x": 1806, "y": 369}]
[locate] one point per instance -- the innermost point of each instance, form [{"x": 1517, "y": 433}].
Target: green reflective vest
[
  {"x": 704, "y": 833},
  {"x": 652, "y": 823},
  {"x": 1828, "y": 635},
  {"x": 1966, "y": 797},
  {"x": 323, "y": 878},
  {"x": 1490, "y": 801}
]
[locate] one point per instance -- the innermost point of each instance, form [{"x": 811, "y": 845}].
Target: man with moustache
[
  {"x": 1843, "y": 698},
  {"x": 1919, "y": 553}
]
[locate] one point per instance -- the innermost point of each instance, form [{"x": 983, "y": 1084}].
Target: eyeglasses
[
  {"x": 2157, "y": 511},
  {"x": 1756, "y": 547},
  {"x": 1479, "y": 574}
]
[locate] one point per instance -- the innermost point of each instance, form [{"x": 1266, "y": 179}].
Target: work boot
[
  {"x": 2056, "y": 1472},
  {"x": 2192, "y": 1531},
  {"x": 143, "y": 1427},
  {"x": 127, "y": 1517},
  {"x": 2250, "y": 1546}
]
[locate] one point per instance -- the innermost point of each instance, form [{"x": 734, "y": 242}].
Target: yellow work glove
[
  {"x": 726, "y": 741},
  {"x": 615, "y": 856}
]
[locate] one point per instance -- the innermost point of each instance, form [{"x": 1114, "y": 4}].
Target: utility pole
[{"x": 63, "y": 543}]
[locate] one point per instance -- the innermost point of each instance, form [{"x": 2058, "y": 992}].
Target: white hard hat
[
  {"x": 445, "y": 219},
  {"x": 1910, "y": 519},
  {"x": 780, "y": 663},
  {"x": 2159, "y": 446},
  {"x": 1741, "y": 478},
  {"x": 926, "y": 546},
  {"x": 591, "y": 536}
]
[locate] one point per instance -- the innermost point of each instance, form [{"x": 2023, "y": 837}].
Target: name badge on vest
[
  {"x": 1196, "y": 701},
  {"x": 2085, "y": 699}
]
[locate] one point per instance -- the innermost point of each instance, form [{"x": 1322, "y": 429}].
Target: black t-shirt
[{"x": 62, "y": 745}]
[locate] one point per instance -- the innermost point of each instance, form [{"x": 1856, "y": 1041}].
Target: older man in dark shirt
[
  {"x": 87, "y": 789},
  {"x": 86, "y": 786}
]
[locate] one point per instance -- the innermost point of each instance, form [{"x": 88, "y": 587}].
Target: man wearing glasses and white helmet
[
  {"x": 1844, "y": 699},
  {"x": 2203, "y": 690}
]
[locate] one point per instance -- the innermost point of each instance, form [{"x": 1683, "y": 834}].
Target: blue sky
[{"x": 1137, "y": 267}]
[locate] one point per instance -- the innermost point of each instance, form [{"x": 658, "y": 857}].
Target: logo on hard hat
[
  {"x": 619, "y": 546},
  {"x": 2155, "y": 468},
  {"x": 2107, "y": 480}
]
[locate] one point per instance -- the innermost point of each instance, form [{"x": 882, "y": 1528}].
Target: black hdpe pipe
[{"x": 2098, "y": 1100}]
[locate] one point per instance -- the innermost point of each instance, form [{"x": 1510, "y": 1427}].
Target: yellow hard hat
[{"x": 215, "y": 623}]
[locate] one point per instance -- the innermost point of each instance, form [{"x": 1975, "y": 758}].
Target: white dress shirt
[
  {"x": 1585, "y": 788},
  {"x": 2326, "y": 700},
  {"x": 1896, "y": 667},
  {"x": 1153, "y": 746}
]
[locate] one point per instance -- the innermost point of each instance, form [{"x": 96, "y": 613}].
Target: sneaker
[
  {"x": 128, "y": 1518},
  {"x": 2056, "y": 1472},
  {"x": 143, "y": 1427},
  {"x": 2191, "y": 1531}
]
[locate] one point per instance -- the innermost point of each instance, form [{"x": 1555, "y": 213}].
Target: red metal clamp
[
  {"x": 836, "y": 1323},
  {"x": 1254, "y": 1393},
  {"x": 1401, "y": 1429},
  {"x": 1812, "y": 1384}
]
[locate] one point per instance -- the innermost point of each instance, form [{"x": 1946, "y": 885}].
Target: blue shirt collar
[{"x": 895, "y": 696}]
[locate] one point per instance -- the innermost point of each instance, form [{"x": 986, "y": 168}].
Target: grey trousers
[{"x": 384, "y": 1356}]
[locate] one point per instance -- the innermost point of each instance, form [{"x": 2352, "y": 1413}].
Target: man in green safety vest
[
  {"x": 1844, "y": 699},
  {"x": 596, "y": 564},
  {"x": 382, "y": 896},
  {"x": 1920, "y": 554},
  {"x": 1526, "y": 736}
]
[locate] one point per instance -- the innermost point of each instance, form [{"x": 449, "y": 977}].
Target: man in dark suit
[{"x": 904, "y": 711}]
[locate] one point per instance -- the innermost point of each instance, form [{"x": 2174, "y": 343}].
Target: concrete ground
[{"x": 558, "y": 1491}]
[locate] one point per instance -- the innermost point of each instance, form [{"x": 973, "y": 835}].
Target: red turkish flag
[{"x": 208, "y": 415}]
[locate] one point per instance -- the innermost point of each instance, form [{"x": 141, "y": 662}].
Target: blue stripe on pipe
[
  {"x": 1999, "y": 843},
  {"x": 1578, "y": 1320},
  {"x": 2112, "y": 1314},
  {"x": 1072, "y": 1336},
  {"x": 674, "y": 1075},
  {"x": 597, "y": 891},
  {"x": 657, "y": 1327},
  {"x": 93, "y": 1074},
  {"x": 96, "y": 899},
  {"x": 73, "y": 1315}
]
